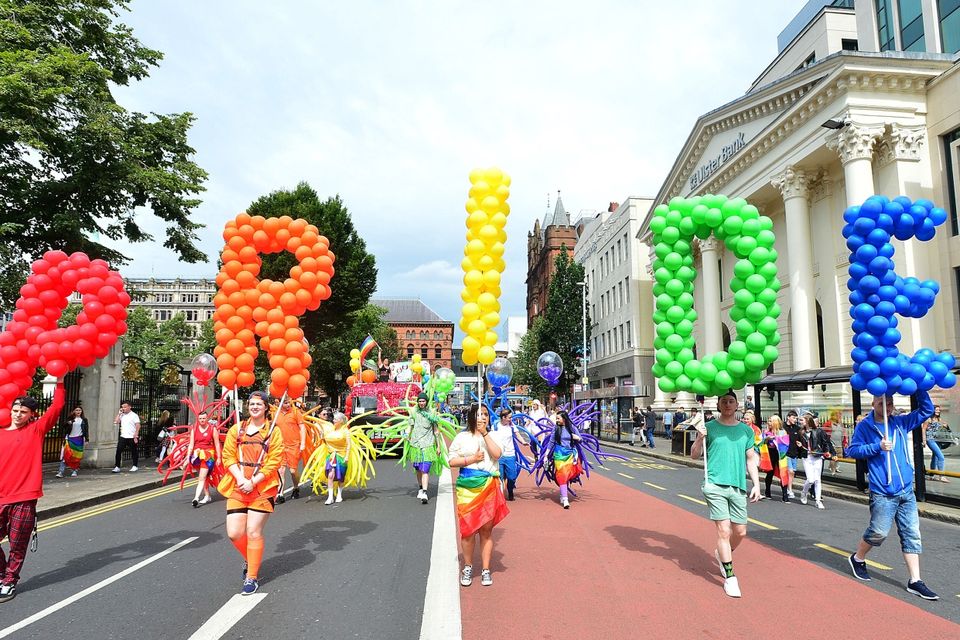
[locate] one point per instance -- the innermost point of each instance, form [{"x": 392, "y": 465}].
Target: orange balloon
[
  {"x": 309, "y": 265},
  {"x": 257, "y": 222},
  {"x": 227, "y": 378},
  {"x": 293, "y": 335},
  {"x": 282, "y": 238},
  {"x": 288, "y": 302},
  {"x": 248, "y": 254},
  {"x": 226, "y": 361},
  {"x": 242, "y": 218},
  {"x": 267, "y": 301},
  {"x": 235, "y": 323},
  {"x": 245, "y": 312},
  {"x": 246, "y": 280},
  {"x": 351, "y": 381},
  {"x": 245, "y": 378},
  {"x": 277, "y": 289},
  {"x": 270, "y": 226},
  {"x": 280, "y": 377},
  {"x": 324, "y": 263},
  {"x": 244, "y": 361},
  {"x": 261, "y": 327},
  {"x": 221, "y": 278},
  {"x": 292, "y": 285},
  {"x": 294, "y": 243},
  {"x": 236, "y": 242},
  {"x": 234, "y": 347},
  {"x": 224, "y": 336},
  {"x": 261, "y": 240},
  {"x": 237, "y": 298},
  {"x": 291, "y": 322},
  {"x": 229, "y": 254},
  {"x": 276, "y": 361},
  {"x": 368, "y": 375},
  {"x": 293, "y": 365},
  {"x": 264, "y": 343},
  {"x": 297, "y": 227},
  {"x": 295, "y": 348},
  {"x": 259, "y": 313},
  {"x": 304, "y": 251},
  {"x": 303, "y": 297},
  {"x": 226, "y": 311},
  {"x": 277, "y": 345},
  {"x": 246, "y": 232},
  {"x": 230, "y": 287},
  {"x": 276, "y": 330},
  {"x": 218, "y": 351},
  {"x": 245, "y": 336},
  {"x": 233, "y": 268},
  {"x": 275, "y": 315}
]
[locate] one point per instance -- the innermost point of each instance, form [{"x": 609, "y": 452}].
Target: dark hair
[
  {"x": 792, "y": 412},
  {"x": 810, "y": 423},
  {"x": 472, "y": 416},
  {"x": 82, "y": 414},
  {"x": 28, "y": 402},
  {"x": 506, "y": 411},
  {"x": 259, "y": 394},
  {"x": 567, "y": 424}
]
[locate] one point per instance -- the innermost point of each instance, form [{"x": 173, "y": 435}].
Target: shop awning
[{"x": 801, "y": 380}]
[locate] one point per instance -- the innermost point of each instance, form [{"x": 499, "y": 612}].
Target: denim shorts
[
  {"x": 884, "y": 510},
  {"x": 791, "y": 463}
]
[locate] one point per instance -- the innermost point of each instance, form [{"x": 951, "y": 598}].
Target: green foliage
[
  {"x": 207, "y": 340},
  {"x": 75, "y": 165},
  {"x": 562, "y": 329},
  {"x": 156, "y": 343},
  {"x": 525, "y": 362}
]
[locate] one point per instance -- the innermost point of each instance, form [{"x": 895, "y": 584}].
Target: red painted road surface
[{"x": 623, "y": 564}]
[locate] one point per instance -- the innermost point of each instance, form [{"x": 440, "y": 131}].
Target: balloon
[
  {"x": 878, "y": 295},
  {"x": 368, "y": 376},
  {"x": 550, "y": 367},
  {"x": 754, "y": 285},
  {"x": 204, "y": 368},
  {"x": 499, "y": 372}
]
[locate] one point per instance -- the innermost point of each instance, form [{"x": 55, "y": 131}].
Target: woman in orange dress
[{"x": 252, "y": 454}]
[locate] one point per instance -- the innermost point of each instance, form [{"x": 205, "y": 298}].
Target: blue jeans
[
  {"x": 884, "y": 510},
  {"x": 669, "y": 429},
  {"x": 936, "y": 462}
]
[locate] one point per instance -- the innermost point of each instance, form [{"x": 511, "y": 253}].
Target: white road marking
[
  {"x": 441, "y": 604},
  {"x": 227, "y": 616},
  {"x": 92, "y": 589}
]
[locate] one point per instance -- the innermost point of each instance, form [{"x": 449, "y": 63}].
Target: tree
[
  {"x": 156, "y": 343},
  {"x": 562, "y": 329},
  {"x": 331, "y": 330},
  {"x": 207, "y": 340},
  {"x": 525, "y": 362},
  {"x": 76, "y": 166}
]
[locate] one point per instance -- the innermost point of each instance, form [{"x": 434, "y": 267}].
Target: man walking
[
  {"x": 21, "y": 481},
  {"x": 730, "y": 457},
  {"x": 792, "y": 427},
  {"x": 503, "y": 433},
  {"x": 423, "y": 443},
  {"x": 668, "y": 423},
  {"x": 294, "y": 432},
  {"x": 637, "y": 420},
  {"x": 649, "y": 424},
  {"x": 129, "y": 423},
  {"x": 891, "y": 486}
]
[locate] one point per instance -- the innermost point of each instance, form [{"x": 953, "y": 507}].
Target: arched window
[
  {"x": 438, "y": 335},
  {"x": 409, "y": 350},
  {"x": 423, "y": 351},
  {"x": 438, "y": 352}
]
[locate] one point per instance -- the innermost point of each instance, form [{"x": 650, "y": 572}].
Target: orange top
[
  {"x": 288, "y": 422},
  {"x": 248, "y": 453}
]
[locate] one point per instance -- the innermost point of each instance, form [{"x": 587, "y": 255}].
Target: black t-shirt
[{"x": 795, "y": 433}]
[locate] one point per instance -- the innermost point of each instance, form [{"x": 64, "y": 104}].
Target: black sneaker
[
  {"x": 860, "y": 570},
  {"x": 296, "y": 493},
  {"x": 917, "y": 588},
  {"x": 196, "y": 503},
  {"x": 250, "y": 586},
  {"x": 281, "y": 499},
  {"x": 9, "y": 592}
]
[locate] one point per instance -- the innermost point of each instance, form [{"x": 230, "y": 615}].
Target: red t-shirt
[{"x": 21, "y": 455}]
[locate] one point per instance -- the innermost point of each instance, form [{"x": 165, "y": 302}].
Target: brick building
[
  {"x": 544, "y": 243},
  {"x": 419, "y": 330}
]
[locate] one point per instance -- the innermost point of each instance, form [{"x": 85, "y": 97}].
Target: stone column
[
  {"x": 710, "y": 314},
  {"x": 854, "y": 145},
  {"x": 100, "y": 397},
  {"x": 793, "y": 184}
]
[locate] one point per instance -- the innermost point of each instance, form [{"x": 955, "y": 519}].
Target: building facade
[
  {"x": 619, "y": 299},
  {"x": 166, "y": 297},
  {"x": 841, "y": 113},
  {"x": 420, "y": 330},
  {"x": 544, "y": 243}
]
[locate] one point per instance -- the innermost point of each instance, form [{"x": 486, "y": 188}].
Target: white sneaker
[
  {"x": 116, "y": 470},
  {"x": 329, "y": 499},
  {"x": 134, "y": 468},
  {"x": 485, "y": 578},
  {"x": 339, "y": 496},
  {"x": 820, "y": 505},
  {"x": 206, "y": 500},
  {"x": 73, "y": 474},
  {"x": 59, "y": 475},
  {"x": 423, "y": 497},
  {"x": 790, "y": 493},
  {"x": 466, "y": 576},
  {"x": 565, "y": 503},
  {"x": 731, "y": 587},
  {"x": 803, "y": 498}
]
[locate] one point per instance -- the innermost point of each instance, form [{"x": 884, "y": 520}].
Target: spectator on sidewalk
[
  {"x": 78, "y": 432},
  {"x": 21, "y": 481},
  {"x": 730, "y": 457},
  {"x": 129, "y": 423},
  {"x": 891, "y": 486},
  {"x": 679, "y": 417},
  {"x": 748, "y": 404},
  {"x": 792, "y": 427},
  {"x": 668, "y": 423},
  {"x": 816, "y": 445},
  {"x": 773, "y": 456},
  {"x": 637, "y": 420},
  {"x": 649, "y": 424},
  {"x": 930, "y": 430}
]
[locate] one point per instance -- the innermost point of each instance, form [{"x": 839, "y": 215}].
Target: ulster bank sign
[{"x": 709, "y": 167}]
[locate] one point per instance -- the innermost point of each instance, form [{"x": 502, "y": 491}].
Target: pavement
[{"x": 93, "y": 487}]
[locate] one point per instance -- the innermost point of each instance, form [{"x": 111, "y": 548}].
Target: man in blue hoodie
[{"x": 891, "y": 497}]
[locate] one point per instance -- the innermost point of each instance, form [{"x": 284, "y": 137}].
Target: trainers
[
  {"x": 134, "y": 469},
  {"x": 9, "y": 592},
  {"x": 820, "y": 505},
  {"x": 116, "y": 470},
  {"x": 206, "y": 500},
  {"x": 790, "y": 494},
  {"x": 329, "y": 499},
  {"x": 917, "y": 588},
  {"x": 280, "y": 498},
  {"x": 59, "y": 475},
  {"x": 803, "y": 498},
  {"x": 860, "y": 569},
  {"x": 723, "y": 573},
  {"x": 466, "y": 576},
  {"x": 296, "y": 493},
  {"x": 423, "y": 497},
  {"x": 196, "y": 503},
  {"x": 486, "y": 579},
  {"x": 73, "y": 474},
  {"x": 731, "y": 587},
  {"x": 250, "y": 586},
  {"x": 565, "y": 503}
]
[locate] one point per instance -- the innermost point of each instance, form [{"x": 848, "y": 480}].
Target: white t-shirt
[
  {"x": 128, "y": 424},
  {"x": 76, "y": 429},
  {"x": 503, "y": 436},
  {"x": 467, "y": 444}
]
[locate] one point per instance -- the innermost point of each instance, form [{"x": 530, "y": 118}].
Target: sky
[{"x": 391, "y": 104}]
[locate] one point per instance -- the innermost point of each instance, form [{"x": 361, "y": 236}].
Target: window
[
  {"x": 619, "y": 252},
  {"x": 593, "y": 311},
  {"x": 190, "y": 298},
  {"x": 620, "y": 292},
  {"x": 162, "y": 315},
  {"x": 629, "y": 336},
  {"x": 409, "y": 351},
  {"x": 720, "y": 272},
  {"x": 191, "y": 315},
  {"x": 601, "y": 266},
  {"x": 595, "y": 352},
  {"x": 951, "y": 152},
  {"x": 163, "y": 297},
  {"x": 848, "y": 44},
  {"x": 437, "y": 352},
  {"x": 438, "y": 335},
  {"x": 810, "y": 59},
  {"x": 949, "y": 12},
  {"x": 423, "y": 351},
  {"x": 885, "y": 25},
  {"x": 626, "y": 286},
  {"x": 603, "y": 345},
  {"x": 911, "y": 25},
  {"x": 623, "y": 343}
]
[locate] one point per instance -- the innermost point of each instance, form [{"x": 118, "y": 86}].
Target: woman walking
[
  {"x": 252, "y": 455},
  {"x": 930, "y": 429},
  {"x": 817, "y": 446},
  {"x": 480, "y": 502},
  {"x": 566, "y": 462},
  {"x": 773, "y": 456},
  {"x": 79, "y": 432},
  {"x": 203, "y": 452}
]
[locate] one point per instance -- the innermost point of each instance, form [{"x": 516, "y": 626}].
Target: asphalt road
[
  {"x": 357, "y": 569},
  {"x": 798, "y": 530}
]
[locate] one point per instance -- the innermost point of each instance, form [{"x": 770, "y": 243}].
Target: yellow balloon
[
  {"x": 498, "y": 220},
  {"x": 477, "y": 219},
  {"x": 490, "y": 338},
  {"x": 503, "y": 192},
  {"x": 470, "y": 358},
  {"x": 501, "y": 236},
  {"x": 485, "y": 263},
  {"x": 500, "y": 265},
  {"x": 493, "y": 175},
  {"x": 479, "y": 190},
  {"x": 491, "y": 278},
  {"x": 473, "y": 279},
  {"x": 496, "y": 249},
  {"x": 506, "y": 180},
  {"x": 495, "y": 292},
  {"x": 472, "y": 205},
  {"x": 467, "y": 264},
  {"x": 470, "y": 344},
  {"x": 354, "y": 365},
  {"x": 465, "y": 324},
  {"x": 488, "y": 233},
  {"x": 476, "y": 248},
  {"x": 471, "y": 310},
  {"x": 476, "y": 175},
  {"x": 476, "y": 327},
  {"x": 486, "y": 355},
  {"x": 491, "y": 319},
  {"x": 490, "y": 204},
  {"x": 354, "y": 353},
  {"x": 469, "y": 294},
  {"x": 505, "y": 209},
  {"x": 487, "y": 301}
]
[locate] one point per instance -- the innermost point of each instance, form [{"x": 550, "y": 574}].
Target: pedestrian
[
  {"x": 748, "y": 404},
  {"x": 773, "y": 456},
  {"x": 887, "y": 453},
  {"x": 930, "y": 430},
  {"x": 252, "y": 454},
  {"x": 668, "y": 423},
  {"x": 129, "y": 437},
  {"x": 679, "y": 417},
  {"x": 649, "y": 424},
  {"x": 792, "y": 427},
  {"x": 480, "y": 503},
  {"x": 566, "y": 463},
  {"x": 294, "y": 432},
  {"x": 336, "y": 436},
  {"x": 730, "y": 457},
  {"x": 834, "y": 459},
  {"x": 203, "y": 453},
  {"x": 21, "y": 481},
  {"x": 816, "y": 445},
  {"x": 78, "y": 432},
  {"x": 164, "y": 434},
  {"x": 423, "y": 436},
  {"x": 637, "y": 419},
  {"x": 505, "y": 434}
]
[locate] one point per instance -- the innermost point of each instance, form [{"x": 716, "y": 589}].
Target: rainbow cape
[
  {"x": 565, "y": 464},
  {"x": 479, "y": 501}
]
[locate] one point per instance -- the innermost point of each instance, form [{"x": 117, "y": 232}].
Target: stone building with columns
[{"x": 831, "y": 121}]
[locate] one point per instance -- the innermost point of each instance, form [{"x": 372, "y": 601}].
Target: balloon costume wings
[
  {"x": 220, "y": 415},
  {"x": 398, "y": 427},
  {"x": 359, "y": 460}
]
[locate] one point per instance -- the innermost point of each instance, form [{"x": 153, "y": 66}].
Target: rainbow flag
[
  {"x": 565, "y": 464},
  {"x": 73, "y": 452},
  {"x": 368, "y": 344},
  {"x": 479, "y": 500}
]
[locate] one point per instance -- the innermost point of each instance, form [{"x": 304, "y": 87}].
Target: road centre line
[
  {"x": 763, "y": 524},
  {"x": 91, "y": 589},
  {"x": 655, "y": 486},
  {"x": 846, "y": 554},
  {"x": 95, "y": 511},
  {"x": 441, "y": 603},
  {"x": 692, "y": 499},
  {"x": 227, "y": 616},
  {"x": 624, "y": 475}
]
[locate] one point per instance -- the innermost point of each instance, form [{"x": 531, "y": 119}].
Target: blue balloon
[
  {"x": 915, "y": 371},
  {"x": 859, "y": 355},
  {"x": 863, "y": 311},
  {"x": 908, "y": 387},
  {"x": 886, "y": 250},
  {"x": 902, "y": 304},
  {"x": 887, "y": 292},
  {"x": 893, "y": 383},
  {"x": 890, "y": 337},
  {"x": 938, "y": 216},
  {"x": 866, "y": 253},
  {"x": 933, "y": 285},
  {"x": 877, "y": 353},
  {"x": 885, "y": 307},
  {"x": 856, "y": 298},
  {"x": 885, "y": 223},
  {"x": 893, "y": 209},
  {"x": 851, "y": 214},
  {"x": 926, "y": 231},
  {"x": 889, "y": 367},
  {"x": 948, "y": 380},
  {"x": 857, "y": 382},
  {"x": 854, "y": 241},
  {"x": 947, "y": 359},
  {"x": 869, "y": 284},
  {"x": 877, "y": 386},
  {"x": 857, "y": 270},
  {"x": 863, "y": 226},
  {"x": 865, "y": 340},
  {"x": 937, "y": 369},
  {"x": 869, "y": 370},
  {"x": 872, "y": 207},
  {"x": 877, "y": 325},
  {"x": 888, "y": 278},
  {"x": 928, "y": 382}
]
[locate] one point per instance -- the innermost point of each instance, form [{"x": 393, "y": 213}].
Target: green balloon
[
  {"x": 663, "y": 356},
  {"x": 664, "y": 329},
  {"x": 753, "y": 376},
  {"x": 690, "y": 315},
  {"x": 689, "y": 343},
  {"x": 775, "y": 284},
  {"x": 733, "y": 224},
  {"x": 755, "y": 283},
  {"x": 737, "y": 351},
  {"x": 662, "y": 249},
  {"x": 684, "y": 328},
  {"x": 682, "y": 247},
  {"x": 657, "y": 224},
  {"x": 708, "y": 371},
  {"x": 675, "y": 287},
  {"x": 737, "y": 313},
  {"x": 684, "y": 382},
  {"x": 770, "y": 354},
  {"x": 760, "y": 255},
  {"x": 737, "y": 283},
  {"x": 685, "y": 355},
  {"x": 688, "y": 261},
  {"x": 664, "y": 301},
  {"x": 768, "y": 270},
  {"x": 751, "y": 227},
  {"x": 745, "y": 327},
  {"x": 714, "y": 199},
  {"x": 766, "y": 224},
  {"x": 743, "y": 269},
  {"x": 766, "y": 239},
  {"x": 658, "y": 289},
  {"x": 756, "y": 311},
  {"x": 743, "y": 298},
  {"x": 667, "y": 385},
  {"x": 675, "y": 314},
  {"x": 699, "y": 214},
  {"x": 723, "y": 380},
  {"x": 673, "y": 342},
  {"x": 767, "y": 297},
  {"x": 659, "y": 343},
  {"x": 670, "y": 235},
  {"x": 688, "y": 226},
  {"x": 659, "y": 316},
  {"x": 685, "y": 300},
  {"x": 749, "y": 212},
  {"x": 772, "y": 255},
  {"x": 756, "y": 341},
  {"x": 674, "y": 369},
  {"x": 713, "y": 218},
  {"x": 774, "y": 310},
  {"x": 774, "y": 340},
  {"x": 721, "y": 360},
  {"x": 736, "y": 368},
  {"x": 692, "y": 368},
  {"x": 687, "y": 274},
  {"x": 662, "y": 275},
  {"x": 672, "y": 261},
  {"x": 700, "y": 387},
  {"x": 704, "y": 231},
  {"x": 673, "y": 218},
  {"x": 767, "y": 326},
  {"x": 745, "y": 245},
  {"x": 658, "y": 370}
]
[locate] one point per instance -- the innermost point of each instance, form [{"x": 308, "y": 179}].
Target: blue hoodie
[{"x": 866, "y": 444}]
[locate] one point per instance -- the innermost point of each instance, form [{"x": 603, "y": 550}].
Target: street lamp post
[
  {"x": 338, "y": 377},
  {"x": 583, "y": 358}
]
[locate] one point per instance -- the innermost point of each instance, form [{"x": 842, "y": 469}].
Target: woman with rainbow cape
[
  {"x": 773, "y": 456},
  {"x": 480, "y": 502},
  {"x": 344, "y": 457}
]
